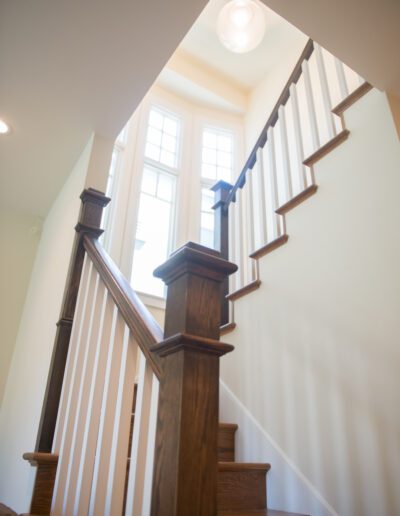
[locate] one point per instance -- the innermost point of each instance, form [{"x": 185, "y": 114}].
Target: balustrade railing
[
  {"x": 300, "y": 124},
  {"x": 166, "y": 462}
]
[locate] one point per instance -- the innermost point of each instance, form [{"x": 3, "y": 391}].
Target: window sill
[{"x": 150, "y": 300}]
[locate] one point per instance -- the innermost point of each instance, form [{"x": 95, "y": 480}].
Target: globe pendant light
[{"x": 241, "y": 25}]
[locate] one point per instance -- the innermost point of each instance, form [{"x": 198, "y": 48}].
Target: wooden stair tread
[
  {"x": 326, "y": 148},
  {"x": 243, "y": 466},
  {"x": 352, "y": 98},
  {"x": 271, "y": 246},
  {"x": 262, "y": 512},
  {"x": 227, "y": 328},
  {"x": 232, "y": 426},
  {"x": 297, "y": 199},
  {"x": 250, "y": 287}
]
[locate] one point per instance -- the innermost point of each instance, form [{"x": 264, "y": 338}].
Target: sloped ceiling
[
  {"x": 70, "y": 68},
  {"x": 365, "y": 34}
]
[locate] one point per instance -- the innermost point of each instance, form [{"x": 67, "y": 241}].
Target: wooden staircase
[{"x": 242, "y": 487}]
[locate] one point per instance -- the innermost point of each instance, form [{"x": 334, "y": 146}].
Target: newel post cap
[
  {"x": 196, "y": 259},
  {"x": 93, "y": 203},
  {"x": 194, "y": 275}
]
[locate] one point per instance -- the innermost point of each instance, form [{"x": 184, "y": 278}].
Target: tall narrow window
[
  {"x": 216, "y": 164},
  {"x": 155, "y": 223}
]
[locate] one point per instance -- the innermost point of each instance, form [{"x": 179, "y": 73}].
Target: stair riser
[
  {"x": 226, "y": 444},
  {"x": 242, "y": 490}
]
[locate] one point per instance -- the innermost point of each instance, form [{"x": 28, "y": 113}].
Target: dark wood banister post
[
  {"x": 221, "y": 238},
  {"x": 185, "y": 467},
  {"x": 89, "y": 223}
]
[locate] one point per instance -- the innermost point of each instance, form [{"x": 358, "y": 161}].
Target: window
[
  {"x": 216, "y": 164},
  {"x": 155, "y": 221}
]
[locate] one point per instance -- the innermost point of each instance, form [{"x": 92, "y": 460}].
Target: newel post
[
  {"x": 89, "y": 223},
  {"x": 221, "y": 238},
  {"x": 185, "y": 467}
]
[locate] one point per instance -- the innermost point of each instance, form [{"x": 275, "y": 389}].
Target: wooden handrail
[
  {"x": 142, "y": 325},
  {"x": 273, "y": 118}
]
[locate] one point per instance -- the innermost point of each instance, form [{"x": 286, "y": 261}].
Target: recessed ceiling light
[{"x": 4, "y": 128}]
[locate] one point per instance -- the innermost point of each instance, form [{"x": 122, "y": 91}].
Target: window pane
[
  {"x": 209, "y": 139},
  {"x": 169, "y": 143},
  {"x": 170, "y": 126},
  {"x": 209, "y": 156},
  {"x": 224, "y": 159},
  {"x": 208, "y": 171},
  {"x": 167, "y": 158},
  {"x": 149, "y": 181},
  {"x": 224, "y": 143},
  {"x": 156, "y": 119},
  {"x": 165, "y": 187},
  {"x": 154, "y": 136},
  {"x": 152, "y": 151},
  {"x": 225, "y": 174},
  {"x": 207, "y": 199},
  {"x": 152, "y": 243},
  {"x": 207, "y": 237}
]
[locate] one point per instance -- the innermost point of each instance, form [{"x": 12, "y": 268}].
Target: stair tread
[
  {"x": 232, "y": 426},
  {"x": 258, "y": 512},
  {"x": 250, "y": 287},
  {"x": 243, "y": 466},
  {"x": 271, "y": 246}
]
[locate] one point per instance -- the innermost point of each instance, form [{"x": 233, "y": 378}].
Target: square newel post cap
[
  {"x": 194, "y": 274},
  {"x": 93, "y": 202},
  {"x": 221, "y": 189}
]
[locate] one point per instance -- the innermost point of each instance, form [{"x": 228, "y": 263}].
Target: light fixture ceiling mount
[{"x": 241, "y": 25}]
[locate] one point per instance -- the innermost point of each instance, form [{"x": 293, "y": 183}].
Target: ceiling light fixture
[
  {"x": 4, "y": 128},
  {"x": 241, "y": 25}
]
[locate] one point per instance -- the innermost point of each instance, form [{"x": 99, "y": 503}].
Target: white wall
[
  {"x": 317, "y": 358},
  {"x": 26, "y": 383},
  {"x": 263, "y": 97},
  {"x": 20, "y": 235}
]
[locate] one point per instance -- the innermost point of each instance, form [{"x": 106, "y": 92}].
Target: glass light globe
[{"x": 241, "y": 25}]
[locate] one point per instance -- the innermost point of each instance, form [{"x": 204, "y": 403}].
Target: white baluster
[
  {"x": 61, "y": 482},
  {"x": 249, "y": 222},
  {"x": 137, "y": 469},
  {"x": 119, "y": 450},
  {"x": 326, "y": 98},
  {"x": 262, "y": 200},
  {"x": 344, "y": 91},
  {"x": 91, "y": 421},
  {"x": 298, "y": 137},
  {"x": 311, "y": 106},
  {"x": 81, "y": 299},
  {"x": 273, "y": 183},
  {"x": 287, "y": 176},
  {"x": 148, "y": 477},
  {"x": 107, "y": 419},
  {"x": 82, "y": 399}
]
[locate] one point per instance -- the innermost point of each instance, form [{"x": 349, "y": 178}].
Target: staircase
[{"x": 104, "y": 448}]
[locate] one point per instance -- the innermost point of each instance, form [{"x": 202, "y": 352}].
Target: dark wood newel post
[
  {"x": 185, "y": 467},
  {"x": 89, "y": 223},
  {"x": 221, "y": 238}
]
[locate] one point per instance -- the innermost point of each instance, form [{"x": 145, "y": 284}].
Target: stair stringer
[{"x": 316, "y": 346}]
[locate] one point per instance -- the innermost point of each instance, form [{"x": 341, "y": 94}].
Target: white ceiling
[
  {"x": 70, "y": 68},
  {"x": 245, "y": 70}
]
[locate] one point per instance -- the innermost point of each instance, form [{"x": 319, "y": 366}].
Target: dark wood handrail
[
  {"x": 273, "y": 118},
  {"x": 144, "y": 328}
]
